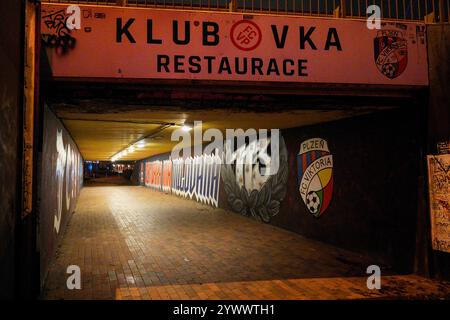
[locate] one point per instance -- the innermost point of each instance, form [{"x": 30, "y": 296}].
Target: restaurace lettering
[
  {"x": 183, "y": 33},
  {"x": 225, "y": 65}
]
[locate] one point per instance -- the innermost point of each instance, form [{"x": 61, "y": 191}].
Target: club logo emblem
[
  {"x": 245, "y": 35},
  {"x": 315, "y": 175},
  {"x": 391, "y": 53}
]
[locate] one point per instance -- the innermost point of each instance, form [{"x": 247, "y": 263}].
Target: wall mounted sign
[
  {"x": 315, "y": 175},
  {"x": 439, "y": 194},
  {"x": 118, "y": 42}
]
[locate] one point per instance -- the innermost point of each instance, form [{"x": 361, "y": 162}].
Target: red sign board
[{"x": 115, "y": 42}]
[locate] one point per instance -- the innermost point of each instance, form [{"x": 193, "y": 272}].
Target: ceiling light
[
  {"x": 140, "y": 144},
  {"x": 187, "y": 126}
]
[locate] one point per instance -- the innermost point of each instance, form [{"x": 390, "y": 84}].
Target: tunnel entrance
[
  {"x": 327, "y": 212},
  {"x": 323, "y": 193}
]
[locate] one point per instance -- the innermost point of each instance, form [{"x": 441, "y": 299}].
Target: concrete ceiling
[
  {"x": 100, "y": 136},
  {"x": 105, "y": 118}
]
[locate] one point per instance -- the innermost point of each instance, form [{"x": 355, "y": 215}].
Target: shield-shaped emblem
[
  {"x": 315, "y": 175},
  {"x": 391, "y": 53}
]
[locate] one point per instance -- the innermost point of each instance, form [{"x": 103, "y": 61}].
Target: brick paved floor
[{"x": 134, "y": 243}]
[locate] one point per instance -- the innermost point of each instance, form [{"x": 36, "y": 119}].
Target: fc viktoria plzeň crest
[
  {"x": 391, "y": 53},
  {"x": 315, "y": 175}
]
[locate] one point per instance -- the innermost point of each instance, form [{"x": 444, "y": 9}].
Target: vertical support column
[
  {"x": 343, "y": 8},
  {"x": 441, "y": 12},
  {"x": 27, "y": 256},
  {"x": 232, "y": 5},
  {"x": 29, "y": 108}
]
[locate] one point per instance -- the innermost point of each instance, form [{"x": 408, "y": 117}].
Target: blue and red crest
[
  {"x": 391, "y": 53},
  {"x": 315, "y": 175}
]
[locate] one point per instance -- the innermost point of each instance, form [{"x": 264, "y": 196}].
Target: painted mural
[
  {"x": 61, "y": 179},
  {"x": 191, "y": 177},
  {"x": 167, "y": 176},
  {"x": 69, "y": 174},
  {"x": 153, "y": 174},
  {"x": 315, "y": 175},
  {"x": 197, "y": 177},
  {"x": 248, "y": 191}
]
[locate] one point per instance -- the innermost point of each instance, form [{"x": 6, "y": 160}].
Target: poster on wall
[
  {"x": 315, "y": 175},
  {"x": 439, "y": 195}
]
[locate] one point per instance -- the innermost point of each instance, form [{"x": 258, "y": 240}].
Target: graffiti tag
[{"x": 59, "y": 35}]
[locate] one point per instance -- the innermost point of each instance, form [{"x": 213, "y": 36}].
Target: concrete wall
[
  {"x": 10, "y": 104},
  {"x": 60, "y": 183},
  {"x": 438, "y": 38}
]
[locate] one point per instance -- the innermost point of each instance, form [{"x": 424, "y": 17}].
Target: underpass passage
[{"x": 132, "y": 242}]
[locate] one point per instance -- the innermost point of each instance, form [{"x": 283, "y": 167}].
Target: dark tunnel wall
[
  {"x": 60, "y": 184},
  {"x": 10, "y": 89},
  {"x": 373, "y": 207},
  {"x": 359, "y": 179},
  {"x": 369, "y": 205}
]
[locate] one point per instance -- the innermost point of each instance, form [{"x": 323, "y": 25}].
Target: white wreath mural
[{"x": 260, "y": 198}]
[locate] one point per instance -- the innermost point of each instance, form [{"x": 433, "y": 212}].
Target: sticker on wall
[
  {"x": 315, "y": 175},
  {"x": 248, "y": 191}
]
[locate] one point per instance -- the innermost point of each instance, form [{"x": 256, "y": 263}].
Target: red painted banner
[
  {"x": 142, "y": 43},
  {"x": 167, "y": 175}
]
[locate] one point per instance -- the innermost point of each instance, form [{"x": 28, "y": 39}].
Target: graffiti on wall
[
  {"x": 69, "y": 173},
  {"x": 56, "y": 34},
  {"x": 197, "y": 177},
  {"x": 248, "y": 191},
  {"x": 191, "y": 177},
  {"x": 315, "y": 175},
  {"x": 153, "y": 174},
  {"x": 167, "y": 176}
]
